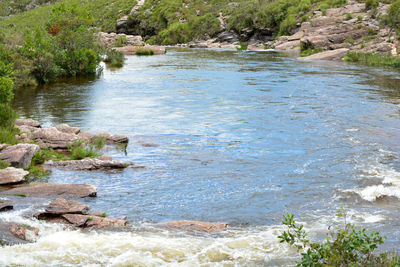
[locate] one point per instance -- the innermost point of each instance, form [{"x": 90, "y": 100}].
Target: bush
[
  {"x": 144, "y": 52},
  {"x": 121, "y": 41},
  {"x": 347, "y": 246},
  {"x": 374, "y": 60},
  {"x": 371, "y": 4},
  {"x": 114, "y": 58},
  {"x": 81, "y": 149},
  {"x": 6, "y": 90}
]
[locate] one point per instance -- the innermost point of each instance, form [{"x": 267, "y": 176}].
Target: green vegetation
[
  {"x": 345, "y": 246},
  {"x": 144, "y": 52},
  {"x": 81, "y": 149},
  {"x": 310, "y": 51},
  {"x": 121, "y": 41},
  {"x": 374, "y": 60},
  {"x": 36, "y": 173},
  {"x": 114, "y": 58},
  {"x": 17, "y": 195},
  {"x": 4, "y": 164},
  {"x": 103, "y": 215}
]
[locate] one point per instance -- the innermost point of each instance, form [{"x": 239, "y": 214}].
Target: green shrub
[
  {"x": 114, "y": 58},
  {"x": 349, "y": 16},
  {"x": 374, "y": 60},
  {"x": 81, "y": 149},
  {"x": 47, "y": 154},
  {"x": 36, "y": 173},
  {"x": 6, "y": 90},
  {"x": 371, "y": 4},
  {"x": 144, "y": 52},
  {"x": 121, "y": 41},
  {"x": 393, "y": 17},
  {"x": 346, "y": 246}
]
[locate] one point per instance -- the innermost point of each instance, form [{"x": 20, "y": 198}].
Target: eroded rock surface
[
  {"x": 51, "y": 190},
  {"x": 53, "y": 138},
  {"x": 19, "y": 156},
  {"x": 89, "y": 164},
  {"x": 12, "y": 175}
]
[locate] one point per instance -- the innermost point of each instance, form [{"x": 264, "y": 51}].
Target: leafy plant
[
  {"x": 347, "y": 246},
  {"x": 121, "y": 41},
  {"x": 81, "y": 149},
  {"x": 114, "y": 58},
  {"x": 144, "y": 52}
]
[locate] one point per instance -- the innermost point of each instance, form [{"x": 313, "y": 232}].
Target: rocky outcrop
[
  {"x": 12, "y": 175},
  {"x": 131, "y": 49},
  {"x": 51, "y": 190},
  {"x": 108, "y": 40},
  {"x": 349, "y": 28},
  {"x": 20, "y": 155},
  {"x": 53, "y": 138},
  {"x": 196, "y": 226},
  {"x": 88, "y": 164}
]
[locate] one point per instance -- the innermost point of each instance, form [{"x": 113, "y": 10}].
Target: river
[{"x": 242, "y": 138}]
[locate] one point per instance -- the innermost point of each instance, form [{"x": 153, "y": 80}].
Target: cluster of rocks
[
  {"x": 73, "y": 213},
  {"x": 108, "y": 40},
  {"x": 340, "y": 30}
]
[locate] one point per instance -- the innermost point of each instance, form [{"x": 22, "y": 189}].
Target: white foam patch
[{"x": 74, "y": 248}]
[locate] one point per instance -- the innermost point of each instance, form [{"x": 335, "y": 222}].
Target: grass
[
  {"x": 4, "y": 164},
  {"x": 374, "y": 60},
  {"x": 81, "y": 149},
  {"x": 310, "y": 51},
  {"x": 114, "y": 58},
  {"x": 17, "y": 195},
  {"x": 36, "y": 173},
  {"x": 144, "y": 52}
]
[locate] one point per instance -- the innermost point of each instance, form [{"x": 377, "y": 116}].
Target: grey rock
[
  {"x": 61, "y": 206},
  {"x": 27, "y": 122},
  {"x": 12, "y": 175},
  {"x": 51, "y": 190},
  {"x": 65, "y": 128},
  {"x": 53, "y": 138},
  {"x": 89, "y": 164},
  {"x": 20, "y": 155}
]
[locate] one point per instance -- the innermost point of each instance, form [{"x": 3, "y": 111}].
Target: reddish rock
[
  {"x": 196, "y": 226},
  {"x": 76, "y": 219},
  {"x": 94, "y": 222},
  {"x": 60, "y": 190},
  {"x": 21, "y": 231}
]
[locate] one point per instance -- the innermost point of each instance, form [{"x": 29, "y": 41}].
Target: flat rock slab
[
  {"x": 65, "y": 128},
  {"x": 61, "y": 206},
  {"x": 89, "y": 164},
  {"x": 19, "y": 156},
  {"x": 94, "y": 222},
  {"x": 337, "y": 54},
  {"x": 196, "y": 226},
  {"x": 51, "y": 190},
  {"x": 12, "y": 175}
]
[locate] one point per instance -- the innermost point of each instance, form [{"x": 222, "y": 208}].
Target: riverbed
[{"x": 225, "y": 136}]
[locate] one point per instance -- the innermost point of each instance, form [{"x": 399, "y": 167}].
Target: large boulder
[
  {"x": 88, "y": 164},
  {"x": 196, "y": 226},
  {"x": 229, "y": 37},
  {"x": 12, "y": 175},
  {"x": 51, "y": 190},
  {"x": 20, "y": 155},
  {"x": 53, "y": 138}
]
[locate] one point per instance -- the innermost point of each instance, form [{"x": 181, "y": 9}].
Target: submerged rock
[
  {"x": 20, "y": 155},
  {"x": 12, "y": 175},
  {"x": 23, "y": 232},
  {"x": 89, "y": 164},
  {"x": 196, "y": 226},
  {"x": 50, "y": 190}
]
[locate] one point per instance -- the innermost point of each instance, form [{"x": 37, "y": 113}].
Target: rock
[
  {"x": 61, "y": 206},
  {"x": 20, "y": 155},
  {"x": 290, "y": 45},
  {"x": 130, "y": 49},
  {"x": 94, "y": 222},
  {"x": 324, "y": 21},
  {"x": 144, "y": 144},
  {"x": 98, "y": 213},
  {"x": 23, "y": 232},
  {"x": 5, "y": 206},
  {"x": 108, "y": 40},
  {"x": 27, "y": 122},
  {"x": 118, "y": 138},
  {"x": 50, "y": 190},
  {"x": 7, "y": 238},
  {"x": 229, "y": 37},
  {"x": 26, "y": 128},
  {"x": 89, "y": 164},
  {"x": 85, "y": 136},
  {"x": 196, "y": 226},
  {"x": 198, "y": 44},
  {"x": 65, "y": 128},
  {"x": 53, "y": 138},
  {"x": 337, "y": 54},
  {"x": 139, "y": 3},
  {"x": 12, "y": 175}
]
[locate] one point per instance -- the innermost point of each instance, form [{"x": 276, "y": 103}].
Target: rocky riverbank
[{"x": 56, "y": 203}]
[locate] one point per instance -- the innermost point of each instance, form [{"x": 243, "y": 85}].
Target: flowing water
[{"x": 241, "y": 138}]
